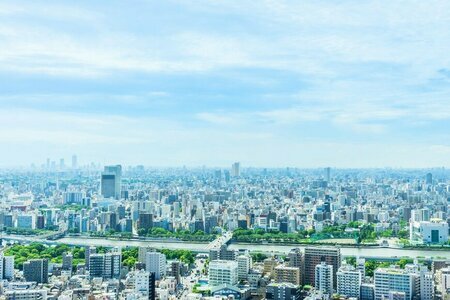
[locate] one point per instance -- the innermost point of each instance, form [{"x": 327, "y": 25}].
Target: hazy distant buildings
[
  {"x": 74, "y": 162},
  {"x": 111, "y": 182},
  {"x": 235, "y": 169}
]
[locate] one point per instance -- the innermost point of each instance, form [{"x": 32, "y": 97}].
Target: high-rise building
[
  {"x": 235, "y": 169},
  {"x": 36, "y": 270},
  {"x": 426, "y": 285},
  {"x": 142, "y": 253},
  {"x": 145, "y": 284},
  {"x": 111, "y": 182},
  {"x": 74, "y": 162},
  {"x": 222, "y": 253},
  {"x": 156, "y": 263},
  {"x": 145, "y": 221},
  {"x": 87, "y": 253},
  {"x": 296, "y": 260},
  {"x": 361, "y": 266},
  {"x": 105, "y": 266},
  {"x": 316, "y": 255},
  {"x": 324, "y": 278},
  {"x": 283, "y": 291},
  {"x": 349, "y": 281},
  {"x": 394, "y": 279},
  {"x": 67, "y": 259},
  {"x": 6, "y": 266},
  {"x": 429, "y": 178},
  {"x": 244, "y": 265},
  {"x": 328, "y": 174},
  {"x": 223, "y": 272}
]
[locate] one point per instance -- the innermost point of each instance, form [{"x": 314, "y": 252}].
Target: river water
[{"x": 268, "y": 248}]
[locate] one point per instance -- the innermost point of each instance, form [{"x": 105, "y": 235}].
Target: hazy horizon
[{"x": 269, "y": 84}]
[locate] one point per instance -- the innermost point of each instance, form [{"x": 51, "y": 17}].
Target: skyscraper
[
  {"x": 111, "y": 182},
  {"x": 429, "y": 178},
  {"x": 327, "y": 174},
  {"x": 235, "y": 169},
  {"x": 74, "y": 162}
]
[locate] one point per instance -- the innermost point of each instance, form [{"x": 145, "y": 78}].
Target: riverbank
[{"x": 363, "y": 251}]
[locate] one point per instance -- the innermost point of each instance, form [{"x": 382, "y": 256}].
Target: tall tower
[
  {"x": 235, "y": 169},
  {"x": 327, "y": 174},
  {"x": 74, "y": 162},
  {"x": 111, "y": 182}
]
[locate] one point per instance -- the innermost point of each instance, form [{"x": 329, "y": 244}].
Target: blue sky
[{"x": 267, "y": 83}]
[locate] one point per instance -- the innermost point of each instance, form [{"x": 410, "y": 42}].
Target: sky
[{"x": 269, "y": 83}]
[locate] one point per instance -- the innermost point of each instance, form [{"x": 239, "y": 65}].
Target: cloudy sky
[{"x": 208, "y": 82}]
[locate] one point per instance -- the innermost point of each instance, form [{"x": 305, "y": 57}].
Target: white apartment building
[
  {"x": 324, "y": 278},
  {"x": 156, "y": 262},
  {"x": 223, "y": 272},
  {"x": 244, "y": 265},
  {"x": 349, "y": 281}
]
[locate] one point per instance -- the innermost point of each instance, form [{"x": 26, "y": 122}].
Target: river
[{"x": 368, "y": 252}]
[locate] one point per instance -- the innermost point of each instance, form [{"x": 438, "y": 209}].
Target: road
[{"x": 188, "y": 282}]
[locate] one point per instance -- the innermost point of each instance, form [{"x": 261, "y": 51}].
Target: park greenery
[
  {"x": 183, "y": 235},
  {"x": 23, "y": 253},
  {"x": 25, "y": 231},
  {"x": 361, "y": 233}
]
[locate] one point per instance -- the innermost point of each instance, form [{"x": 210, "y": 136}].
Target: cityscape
[
  {"x": 224, "y": 150},
  {"x": 80, "y": 231}
]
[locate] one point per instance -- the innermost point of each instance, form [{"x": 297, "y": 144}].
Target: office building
[
  {"x": 223, "y": 272},
  {"x": 6, "y": 266},
  {"x": 145, "y": 221},
  {"x": 222, "y": 253},
  {"x": 67, "y": 259},
  {"x": 316, "y": 255},
  {"x": 111, "y": 182},
  {"x": 87, "y": 253},
  {"x": 349, "y": 281},
  {"x": 106, "y": 266},
  {"x": 74, "y": 162},
  {"x": 36, "y": 270},
  {"x": 324, "y": 278},
  {"x": 235, "y": 169}
]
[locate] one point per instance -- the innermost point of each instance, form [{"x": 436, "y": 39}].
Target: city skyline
[{"x": 273, "y": 84}]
